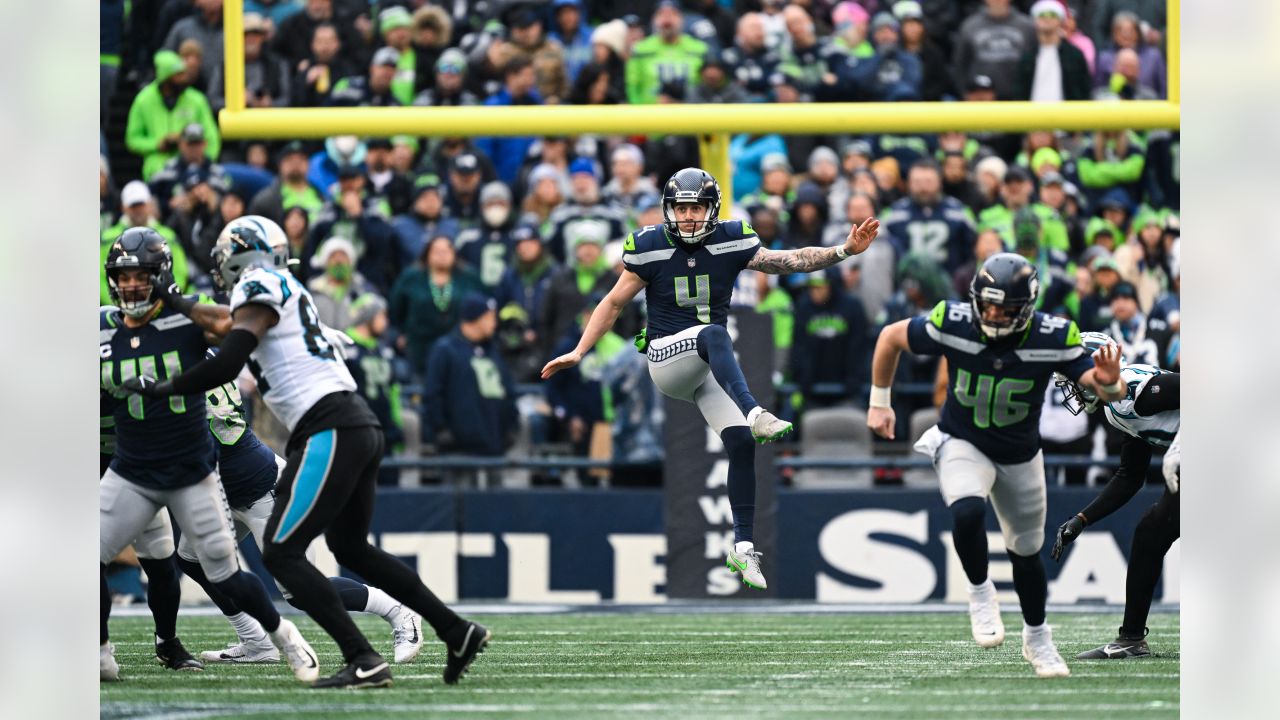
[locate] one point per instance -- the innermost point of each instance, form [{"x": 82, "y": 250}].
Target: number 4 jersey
[
  {"x": 995, "y": 390},
  {"x": 294, "y": 365}
]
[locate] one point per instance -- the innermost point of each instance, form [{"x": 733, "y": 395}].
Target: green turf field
[{"x": 741, "y": 665}]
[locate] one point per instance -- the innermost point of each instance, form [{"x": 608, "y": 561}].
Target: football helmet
[
  {"x": 275, "y": 236},
  {"x": 138, "y": 248},
  {"x": 1007, "y": 281},
  {"x": 1075, "y": 397},
  {"x": 237, "y": 250},
  {"x": 691, "y": 185}
]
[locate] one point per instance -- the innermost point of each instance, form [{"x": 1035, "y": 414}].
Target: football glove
[
  {"x": 1173, "y": 464},
  {"x": 148, "y": 386},
  {"x": 165, "y": 289},
  {"x": 1067, "y": 533}
]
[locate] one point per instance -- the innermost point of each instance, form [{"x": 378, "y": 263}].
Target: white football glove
[
  {"x": 337, "y": 339},
  {"x": 1173, "y": 463}
]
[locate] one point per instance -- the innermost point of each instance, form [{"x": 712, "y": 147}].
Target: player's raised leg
[{"x": 715, "y": 347}]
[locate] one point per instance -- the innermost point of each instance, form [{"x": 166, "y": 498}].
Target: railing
[{"x": 481, "y": 462}]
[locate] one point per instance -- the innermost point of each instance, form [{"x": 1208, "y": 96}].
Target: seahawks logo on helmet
[
  {"x": 1003, "y": 294},
  {"x": 139, "y": 248},
  {"x": 237, "y": 250},
  {"x": 691, "y": 186},
  {"x": 1075, "y": 397}
]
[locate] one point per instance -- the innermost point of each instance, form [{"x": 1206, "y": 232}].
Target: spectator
[
  {"x": 508, "y": 153},
  {"x": 751, "y": 62},
  {"x": 486, "y": 247},
  {"x": 989, "y": 174},
  {"x": 1142, "y": 259},
  {"x": 545, "y": 55},
  {"x": 1095, "y": 295},
  {"x": 578, "y": 401},
  {"x": 291, "y": 189},
  {"x": 370, "y": 363},
  {"x": 450, "y": 83},
  {"x": 609, "y": 50},
  {"x": 294, "y": 39},
  {"x": 629, "y": 187},
  {"x": 296, "y": 225},
  {"x": 162, "y": 109},
  {"x": 1126, "y": 34},
  {"x": 1148, "y": 18},
  {"x": 775, "y": 187},
  {"x": 552, "y": 151},
  {"x": 574, "y": 35},
  {"x": 851, "y": 22},
  {"x": 1077, "y": 37},
  {"x": 487, "y": 57},
  {"x": 463, "y": 198},
  {"x": 394, "y": 24},
  {"x": 167, "y": 185},
  {"x": 1129, "y": 326},
  {"x": 204, "y": 27},
  {"x": 520, "y": 295},
  {"x": 321, "y": 68},
  {"x": 888, "y": 176},
  {"x": 277, "y": 11},
  {"x": 956, "y": 182},
  {"x": 936, "y": 81},
  {"x": 1052, "y": 70},
  {"x": 892, "y": 74},
  {"x": 584, "y": 207},
  {"x": 432, "y": 36},
  {"x": 362, "y": 219},
  {"x": 266, "y": 75},
  {"x": 991, "y": 43},
  {"x": 337, "y": 284},
  {"x": 1126, "y": 79},
  {"x": 1056, "y": 231},
  {"x": 1015, "y": 194},
  {"x": 710, "y": 22},
  {"x": 824, "y": 172},
  {"x": 928, "y": 223},
  {"x": 808, "y": 216},
  {"x": 469, "y": 395},
  {"x": 372, "y": 90},
  {"x": 1115, "y": 161},
  {"x": 830, "y": 344},
  {"x": 206, "y": 208},
  {"x": 547, "y": 187},
  {"x": 715, "y": 84},
  {"x": 570, "y": 288},
  {"x": 987, "y": 243},
  {"x": 594, "y": 86},
  {"x": 669, "y": 55},
  {"x": 394, "y": 188},
  {"x": 748, "y": 153},
  {"x": 425, "y": 219},
  {"x": 339, "y": 151},
  {"x": 139, "y": 211},
  {"x": 817, "y": 66},
  {"x": 1051, "y": 265},
  {"x": 425, "y": 300}
]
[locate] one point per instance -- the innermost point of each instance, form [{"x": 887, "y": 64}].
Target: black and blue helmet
[{"x": 691, "y": 185}]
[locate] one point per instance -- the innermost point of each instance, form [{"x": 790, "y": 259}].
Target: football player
[
  {"x": 164, "y": 454},
  {"x": 1149, "y": 415},
  {"x": 1000, "y": 356},
  {"x": 687, "y": 267},
  {"x": 332, "y": 459}
]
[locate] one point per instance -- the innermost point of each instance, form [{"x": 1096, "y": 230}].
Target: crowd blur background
[{"x": 459, "y": 266}]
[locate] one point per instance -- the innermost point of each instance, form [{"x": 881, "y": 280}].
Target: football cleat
[
  {"x": 369, "y": 671},
  {"x": 1039, "y": 650},
  {"x": 984, "y": 615},
  {"x": 747, "y": 563},
  {"x": 766, "y": 427},
  {"x": 459, "y": 657},
  {"x": 261, "y": 651},
  {"x": 1119, "y": 649},
  {"x": 406, "y": 635},
  {"x": 108, "y": 668},
  {"x": 299, "y": 655},
  {"x": 174, "y": 656}
]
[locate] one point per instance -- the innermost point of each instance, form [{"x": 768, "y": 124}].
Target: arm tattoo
[{"x": 780, "y": 262}]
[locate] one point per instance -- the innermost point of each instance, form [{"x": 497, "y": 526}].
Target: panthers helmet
[
  {"x": 237, "y": 250},
  {"x": 1007, "y": 281},
  {"x": 1075, "y": 397},
  {"x": 691, "y": 185},
  {"x": 138, "y": 248},
  {"x": 275, "y": 236}
]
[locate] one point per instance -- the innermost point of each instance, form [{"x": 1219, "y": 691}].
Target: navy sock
[
  {"x": 104, "y": 607},
  {"x": 969, "y": 536},
  {"x": 741, "y": 449},
  {"x": 355, "y": 596},
  {"x": 219, "y": 598},
  {"x": 163, "y": 595},
  {"x": 716, "y": 348},
  {"x": 247, "y": 592},
  {"x": 1032, "y": 587}
]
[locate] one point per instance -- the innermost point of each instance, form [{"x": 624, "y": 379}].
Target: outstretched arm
[
  {"x": 606, "y": 313},
  {"x": 213, "y": 319},
  {"x": 1104, "y": 376},
  {"x": 809, "y": 259},
  {"x": 251, "y": 322},
  {"x": 884, "y": 363}
]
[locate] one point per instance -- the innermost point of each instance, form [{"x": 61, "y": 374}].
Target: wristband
[
  {"x": 841, "y": 253},
  {"x": 879, "y": 397},
  {"x": 1114, "y": 387}
]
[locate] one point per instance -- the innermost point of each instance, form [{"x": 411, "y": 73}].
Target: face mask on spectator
[
  {"x": 339, "y": 271},
  {"x": 496, "y": 214}
]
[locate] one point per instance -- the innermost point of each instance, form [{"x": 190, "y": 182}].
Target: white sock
[
  {"x": 755, "y": 413},
  {"x": 744, "y": 546},
  {"x": 1034, "y": 629},
  {"x": 247, "y": 629},
  {"x": 382, "y": 604},
  {"x": 986, "y": 587}
]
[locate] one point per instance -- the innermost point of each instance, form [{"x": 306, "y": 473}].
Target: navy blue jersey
[
  {"x": 943, "y": 232},
  {"x": 246, "y": 466},
  {"x": 161, "y": 443},
  {"x": 995, "y": 391},
  {"x": 689, "y": 285}
]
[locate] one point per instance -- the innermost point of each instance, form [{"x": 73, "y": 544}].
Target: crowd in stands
[{"x": 460, "y": 265}]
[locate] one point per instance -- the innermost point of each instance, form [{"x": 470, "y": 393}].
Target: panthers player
[
  {"x": 164, "y": 456},
  {"x": 1149, "y": 415},
  {"x": 687, "y": 267},
  {"x": 1000, "y": 356},
  {"x": 335, "y": 447}
]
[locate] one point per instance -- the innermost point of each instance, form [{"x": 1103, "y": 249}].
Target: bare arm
[
  {"x": 606, "y": 313},
  {"x": 1104, "y": 376},
  {"x": 215, "y": 320},
  {"x": 808, "y": 259},
  {"x": 884, "y": 363}
]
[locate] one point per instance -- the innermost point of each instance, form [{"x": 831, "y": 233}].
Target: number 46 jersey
[
  {"x": 294, "y": 365},
  {"x": 995, "y": 390}
]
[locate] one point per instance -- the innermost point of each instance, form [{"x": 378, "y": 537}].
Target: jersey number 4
[
  {"x": 701, "y": 301},
  {"x": 991, "y": 400}
]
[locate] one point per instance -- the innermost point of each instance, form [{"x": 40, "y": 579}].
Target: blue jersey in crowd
[
  {"x": 995, "y": 390},
  {"x": 943, "y": 232},
  {"x": 247, "y": 467},
  {"x": 164, "y": 442},
  {"x": 689, "y": 285}
]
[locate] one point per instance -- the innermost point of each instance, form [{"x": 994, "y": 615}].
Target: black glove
[
  {"x": 168, "y": 291},
  {"x": 1067, "y": 533},
  {"x": 148, "y": 386}
]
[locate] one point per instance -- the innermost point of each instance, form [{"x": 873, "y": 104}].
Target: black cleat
[
  {"x": 1119, "y": 649},
  {"x": 172, "y": 655},
  {"x": 458, "y": 658},
  {"x": 364, "y": 672}
]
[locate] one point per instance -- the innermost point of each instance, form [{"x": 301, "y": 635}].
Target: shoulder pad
[
  {"x": 735, "y": 229},
  {"x": 649, "y": 237},
  {"x": 108, "y": 317},
  {"x": 263, "y": 286}
]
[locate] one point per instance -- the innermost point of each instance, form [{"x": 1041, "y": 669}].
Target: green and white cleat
[
  {"x": 744, "y": 559},
  {"x": 766, "y": 427}
]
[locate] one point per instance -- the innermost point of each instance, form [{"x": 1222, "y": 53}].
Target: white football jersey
[
  {"x": 1158, "y": 429},
  {"x": 294, "y": 365}
]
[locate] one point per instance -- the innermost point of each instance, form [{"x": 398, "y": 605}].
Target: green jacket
[
  {"x": 180, "y": 271},
  {"x": 151, "y": 119},
  {"x": 406, "y": 72},
  {"x": 1053, "y": 230},
  {"x": 654, "y": 61}
]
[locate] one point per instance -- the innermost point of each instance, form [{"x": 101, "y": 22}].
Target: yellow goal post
[{"x": 712, "y": 124}]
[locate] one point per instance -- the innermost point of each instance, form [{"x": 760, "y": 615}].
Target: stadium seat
[{"x": 834, "y": 433}]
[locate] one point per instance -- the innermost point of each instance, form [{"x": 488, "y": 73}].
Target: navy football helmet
[
  {"x": 138, "y": 248},
  {"x": 691, "y": 185},
  {"x": 1009, "y": 282}
]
